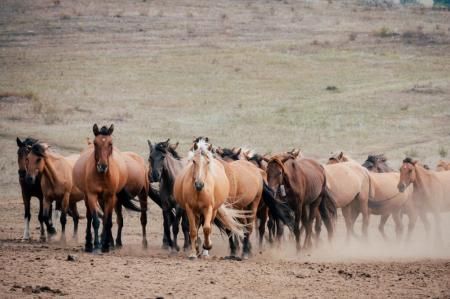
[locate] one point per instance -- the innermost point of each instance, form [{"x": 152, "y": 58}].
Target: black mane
[
  {"x": 104, "y": 131},
  {"x": 408, "y": 160},
  {"x": 38, "y": 150},
  {"x": 165, "y": 148}
]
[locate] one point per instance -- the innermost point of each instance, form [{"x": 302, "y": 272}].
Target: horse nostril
[
  {"x": 199, "y": 186},
  {"x": 29, "y": 180}
]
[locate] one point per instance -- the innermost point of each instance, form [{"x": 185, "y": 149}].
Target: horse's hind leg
[
  {"x": 410, "y": 210},
  {"x": 185, "y": 228},
  {"x": 382, "y": 223},
  {"x": 279, "y": 231},
  {"x": 76, "y": 218},
  {"x": 167, "y": 222},
  {"x": 317, "y": 227},
  {"x": 298, "y": 216},
  {"x": 119, "y": 220},
  {"x": 426, "y": 223},
  {"x": 313, "y": 207},
  {"x": 176, "y": 227},
  {"x": 262, "y": 225},
  {"x": 397, "y": 216},
  {"x": 143, "y": 205},
  {"x": 347, "y": 213}
]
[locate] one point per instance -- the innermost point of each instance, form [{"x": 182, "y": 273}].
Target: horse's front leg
[
  {"x": 176, "y": 227},
  {"x": 208, "y": 216},
  {"x": 63, "y": 218},
  {"x": 27, "y": 216},
  {"x": 185, "y": 228},
  {"x": 143, "y": 205},
  {"x": 383, "y": 220},
  {"x": 192, "y": 232},
  {"x": 109, "y": 202}
]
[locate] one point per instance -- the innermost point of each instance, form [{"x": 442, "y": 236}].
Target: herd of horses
[{"x": 232, "y": 189}]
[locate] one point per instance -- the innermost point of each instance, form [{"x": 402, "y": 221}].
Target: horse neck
[
  {"x": 49, "y": 169},
  {"x": 421, "y": 176}
]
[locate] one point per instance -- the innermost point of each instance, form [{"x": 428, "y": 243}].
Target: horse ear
[
  {"x": 149, "y": 144},
  {"x": 95, "y": 130},
  {"x": 111, "y": 129},
  {"x": 195, "y": 146},
  {"x": 174, "y": 146},
  {"x": 295, "y": 152},
  {"x": 207, "y": 139},
  {"x": 341, "y": 154},
  {"x": 238, "y": 152},
  {"x": 167, "y": 141},
  {"x": 19, "y": 142},
  {"x": 266, "y": 158},
  {"x": 210, "y": 147},
  {"x": 285, "y": 159},
  {"x": 219, "y": 150}
]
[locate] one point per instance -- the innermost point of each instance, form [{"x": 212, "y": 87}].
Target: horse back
[
  {"x": 342, "y": 182},
  {"x": 137, "y": 173},
  {"x": 306, "y": 177}
]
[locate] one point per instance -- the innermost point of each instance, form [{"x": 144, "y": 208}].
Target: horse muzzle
[
  {"x": 199, "y": 186},
  {"x": 102, "y": 168},
  {"x": 30, "y": 179},
  {"x": 155, "y": 176}
]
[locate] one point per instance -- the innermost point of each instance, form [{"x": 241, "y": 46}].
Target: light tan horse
[
  {"x": 56, "y": 182},
  {"x": 443, "y": 165},
  {"x": 349, "y": 185},
  {"x": 201, "y": 189},
  {"x": 431, "y": 190}
]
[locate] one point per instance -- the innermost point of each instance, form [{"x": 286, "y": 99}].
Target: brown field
[{"x": 268, "y": 75}]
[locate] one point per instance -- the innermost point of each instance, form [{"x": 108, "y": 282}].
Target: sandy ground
[
  {"x": 377, "y": 269},
  {"x": 245, "y": 73}
]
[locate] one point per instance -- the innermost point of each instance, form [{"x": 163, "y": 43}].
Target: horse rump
[{"x": 278, "y": 209}]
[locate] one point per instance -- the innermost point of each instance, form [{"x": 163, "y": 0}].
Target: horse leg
[
  {"x": 437, "y": 219},
  {"x": 119, "y": 220},
  {"x": 88, "y": 244},
  {"x": 271, "y": 228},
  {"x": 109, "y": 200},
  {"x": 192, "y": 232},
  {"x": 167, "y": 222},
  {"x": 279, "y": 230},
  {"x": 383, "y": 220},
  {"x": 176, "y": 228},
  {"x": 76, "y": 218},
  {"x": 208, "y": 215},
  {"x": 313, "y": 208},
  {"x": 143, "y": 205},
  {"x": 185, "y": 228},
  {"x": 317, "y": 227},
  {"x": 27, "y": 217},
  {"x": 410, "y": 210},
  {"x": 426, "y": 223},
  {"x": 298, "y": 216},
  {"x": 364, "y": 208},
  {"x": 347, "y": 213},
  {"x": 397, "y": 216},
  {"x": 262, "y": 226}
]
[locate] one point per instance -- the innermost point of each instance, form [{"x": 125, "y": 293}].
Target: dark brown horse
[
  {"x": 31, "y": 190},
  {"x": 166, "y": 164},
  {"x": 302, "y": 184}
]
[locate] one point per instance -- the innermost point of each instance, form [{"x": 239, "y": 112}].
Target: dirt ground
[{"x": 269, "y": 75}]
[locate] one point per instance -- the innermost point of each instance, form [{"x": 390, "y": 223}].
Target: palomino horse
[
  {"x": 201, "y": 190},
  {"x": 431, "y": 189},
  {"x": 386, "y": 199},
  {"x": 443, "y": 165},
  {"x": 101, "y": 172},
  {"x": 29, "y": 191},
  {"x": 302, "y": 184},
  {"x": 166, "y": 165},
  {"x": 354, "y": 197},
  {"x": 55, "y": 173}
]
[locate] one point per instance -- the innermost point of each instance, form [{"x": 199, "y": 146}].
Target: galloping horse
[
  {"x": 55, "y": 173},
  {"x": 201, "y": 190},
  {"x": 29, "y": 191},
  {"x": 353, "y": 198},
  {"x": 396, "y": 203},
  {"x": 431, "y": 189},
  {"x": 302, "y": 184},
  {"x": 101, "y": 172},
  {"x": 166, "y": 164},
  {"x": 386, "y": 199}
]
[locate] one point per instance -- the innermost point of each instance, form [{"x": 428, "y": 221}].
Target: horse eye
[
  {"x": 193, "y": 161},
  {"x": 38, "y": 160}
]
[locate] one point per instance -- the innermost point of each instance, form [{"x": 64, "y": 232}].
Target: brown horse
[
  {"x": 101, "y": 172},
  {"x": 55, "y": 173},
  {"x": 201, "y": 189},
  {"x": 386, "y": 200},
  {"x": 33, "y": 190},
  {"x": 443, "y": 165},
  {"x": 431, "y": 189},
  {"x": 354, "y": 197},
  {"x": 302, "y": 184}
]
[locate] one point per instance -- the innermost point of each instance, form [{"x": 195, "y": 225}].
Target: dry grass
[{"x": 241, "y": 73}]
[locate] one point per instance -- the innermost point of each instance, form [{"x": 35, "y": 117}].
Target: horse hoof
[
  {"x": 205, "y": 253},
  {"x": 245, "y": 256},
  {"x": 144, "y": 244},
  {"x": 51, "y": 231},
  {"x": 105, "y": 249},
  {"x": 165, "y": 246},
  {"x": 192, "y": 257},
  {"x": 88, "y": 248},
  {"x": 43, "y": 239}
]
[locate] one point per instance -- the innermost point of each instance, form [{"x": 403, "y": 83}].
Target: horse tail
[
  {"x": 98, "y": 209},
  {"x": 228, "y": 219},
  {"x": 278, "y": 209},
  {"x": 327, "y": 207},
  {"x": 125, "y": 199}
]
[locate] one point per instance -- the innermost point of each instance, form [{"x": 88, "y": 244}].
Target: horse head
[
  {"x": 201, "y": 158},
  {"x": 229, "y": 154},
  {"x": 35, "y": 162},
  {"x": 276, "y": 174},
  {"x": 407, "y": 174},
  {"x": 157, "y": 155},
  {"x": 103, "y": 147},
  {"x": 24, "y": 148}
]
